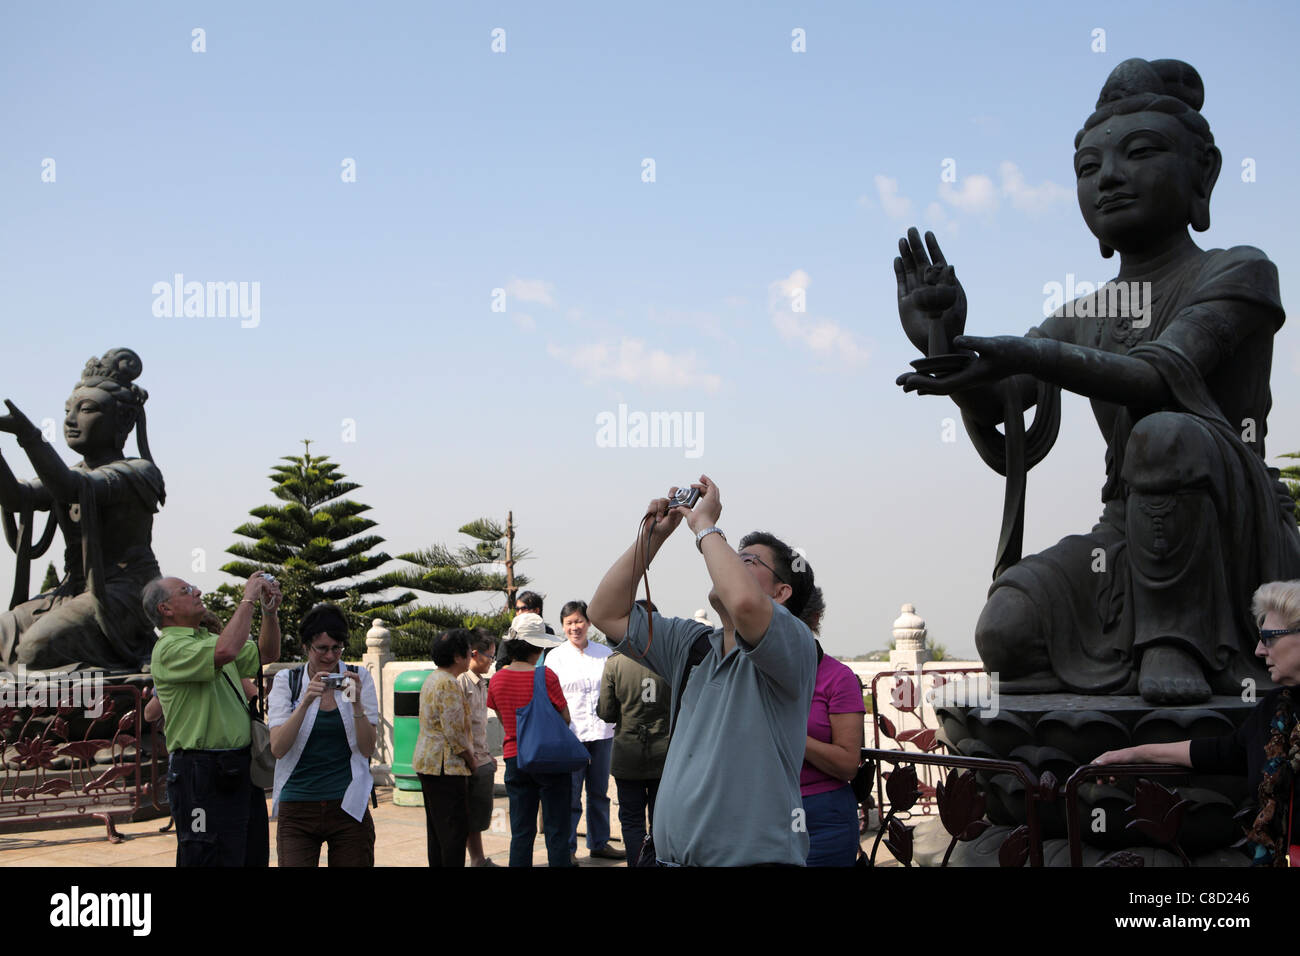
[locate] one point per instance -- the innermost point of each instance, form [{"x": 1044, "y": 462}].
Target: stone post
[
  {"x": 909, "y": 651},
  {"x": 379, "y": 652}
]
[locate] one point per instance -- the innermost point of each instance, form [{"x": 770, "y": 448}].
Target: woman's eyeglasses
[{"x": 1269, "y": 637}]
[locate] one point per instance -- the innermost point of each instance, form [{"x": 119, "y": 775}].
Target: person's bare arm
[
  {"x": 268, "y": 638},
  {"x": 611, "y": 605},
  {"x": 1178, "y": 754},
  {"x": 366, "y": 735},
  {"x": 748, "y": 607},
  {"x": 236, "y": 631},
  {"x": 840, "y": 757}
]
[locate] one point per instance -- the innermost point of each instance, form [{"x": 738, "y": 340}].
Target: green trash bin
[{"x": 406, "y": 728}]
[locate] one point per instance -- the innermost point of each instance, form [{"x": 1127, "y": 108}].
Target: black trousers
[
  {"x": 636, "y": 807},
  {"x": 220, "y": 816},
  {"x": 446, "y": 818}
]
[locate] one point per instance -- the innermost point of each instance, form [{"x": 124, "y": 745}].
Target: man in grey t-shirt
[{"x": 729, "y": 795}]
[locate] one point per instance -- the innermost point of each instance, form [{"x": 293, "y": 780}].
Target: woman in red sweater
[{"x": 511, "y": 687}]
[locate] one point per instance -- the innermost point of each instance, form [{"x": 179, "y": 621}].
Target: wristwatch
[{"x": 710, "y": 530}]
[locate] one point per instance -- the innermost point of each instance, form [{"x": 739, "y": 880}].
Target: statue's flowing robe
[
  {"x": 94, "y": 616},
  {"x": 1228, "y": 518}
]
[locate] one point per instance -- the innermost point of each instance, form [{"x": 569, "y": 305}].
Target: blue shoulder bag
[{"x": 546, "y": 744}]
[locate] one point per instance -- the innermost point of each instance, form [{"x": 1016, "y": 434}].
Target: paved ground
[{"x": 399, "y": 841}]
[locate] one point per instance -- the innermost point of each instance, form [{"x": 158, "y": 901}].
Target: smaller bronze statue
[
  {"x": 104, "y": 506},
  {"x": 1156, "y": 597}
]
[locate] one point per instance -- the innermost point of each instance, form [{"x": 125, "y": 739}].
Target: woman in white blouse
[{"x": 323, "y": 724}]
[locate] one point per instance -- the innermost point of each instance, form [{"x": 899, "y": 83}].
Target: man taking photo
[
  {"x": 729, "y": 795},
  {"x": 220, "y": 816}
]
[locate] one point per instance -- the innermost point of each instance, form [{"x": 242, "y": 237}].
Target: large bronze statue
[
  {"x": 104, "y": 506},
  {"x": 1156, "y": 598}
]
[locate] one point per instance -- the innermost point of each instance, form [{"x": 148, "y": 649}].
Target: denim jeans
[
  {"x": 832, "y": 820},
  {"x": 525, "y": 791},
  {"x": 595, "y": 776},
  {"x": 636, "y": 806}
]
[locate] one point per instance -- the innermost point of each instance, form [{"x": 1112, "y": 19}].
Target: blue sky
[{"x": 523, "y": 171}]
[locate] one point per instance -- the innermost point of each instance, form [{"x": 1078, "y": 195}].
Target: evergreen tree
[
  {"x": 51, "y": 579},
  {"x": 444, "y": 571},
  {"x": 1291, "y": 476},
  {"x": 316, "y": 547}
]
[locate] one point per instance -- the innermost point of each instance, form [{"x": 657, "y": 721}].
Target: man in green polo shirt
[{"x": 220, "y": 816}]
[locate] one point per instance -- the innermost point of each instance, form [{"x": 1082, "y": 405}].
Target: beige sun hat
[{"x": 529, "y": 627}]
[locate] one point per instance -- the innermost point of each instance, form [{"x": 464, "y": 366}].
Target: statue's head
[
  {"x": 1145, "y": 160},
  {"x": 105, "y": 405}
]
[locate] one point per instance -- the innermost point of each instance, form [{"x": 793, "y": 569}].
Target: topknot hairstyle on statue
[
  {"x": 115, "y": 373},
  {"x": 1161, "y": 86}
]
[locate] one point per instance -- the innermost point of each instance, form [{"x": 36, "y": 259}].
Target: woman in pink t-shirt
[{"x": 831, "y": 756}]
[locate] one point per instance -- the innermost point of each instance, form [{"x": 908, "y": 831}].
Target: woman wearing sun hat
[{"x": 511, "y": 687}]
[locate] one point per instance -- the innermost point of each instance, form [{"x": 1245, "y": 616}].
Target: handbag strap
[{"x": 244, "y": 702}]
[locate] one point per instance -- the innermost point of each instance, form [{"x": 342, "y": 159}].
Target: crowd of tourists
[{"x": 729, "y": 746}]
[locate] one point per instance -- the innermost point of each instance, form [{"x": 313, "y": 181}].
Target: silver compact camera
[
  {"x": 334, "y": 681},
  {"x": 684, "y": 497}
]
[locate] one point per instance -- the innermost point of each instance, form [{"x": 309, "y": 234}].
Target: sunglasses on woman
[{"x": 1268, "y": 637}]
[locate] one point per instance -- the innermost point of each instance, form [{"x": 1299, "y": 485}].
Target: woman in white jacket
[{"x": 323, "y": 720}]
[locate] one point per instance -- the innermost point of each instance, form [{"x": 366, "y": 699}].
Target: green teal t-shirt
[{"x": 324, "y": 771}]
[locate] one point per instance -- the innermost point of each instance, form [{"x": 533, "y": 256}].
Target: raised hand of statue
[
  {"x": 16, "y": 423},
  {"x": 1000, "y": 356},
  {"x": 927, "y": 285}
]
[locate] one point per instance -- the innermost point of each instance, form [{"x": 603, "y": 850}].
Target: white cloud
[
  {"x": 531, "y": 290},
  {"x": 631, "y": 361},
  {"x": 936, "y": 218},
  {"x": 895, "y": 206},
  {"x": 975, "y": 194},
  {"x": 523, "y": 321},
  {"x": 782, "y": 292},
  {"x": 1031, "y": 199},
  {"x": 823, "y": 337}
]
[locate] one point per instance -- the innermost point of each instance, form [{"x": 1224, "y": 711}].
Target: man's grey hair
[{"x": 154, "y": 593}]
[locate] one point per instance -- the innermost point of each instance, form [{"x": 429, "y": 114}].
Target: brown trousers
[{"x": 304, "y": 826}]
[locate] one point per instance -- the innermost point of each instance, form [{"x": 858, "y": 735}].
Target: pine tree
[
  {"x": 443, "y": 571},
  {"x": 316, "y": 547},
  {"x": 1291, "y": 476},
  {"x": 51, "y": 579}
]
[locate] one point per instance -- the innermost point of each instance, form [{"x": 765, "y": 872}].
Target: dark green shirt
[{"x": 324, "y": 770}]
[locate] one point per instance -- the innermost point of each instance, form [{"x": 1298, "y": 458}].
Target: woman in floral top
[{"x": 444, "y": 756}]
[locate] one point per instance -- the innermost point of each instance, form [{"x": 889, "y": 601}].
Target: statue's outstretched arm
[
  {"x": 21, "y": 496},
  {"x": 57, "y": 478}
]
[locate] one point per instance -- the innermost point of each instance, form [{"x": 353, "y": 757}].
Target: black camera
[{"x": 684, "y": 497}]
